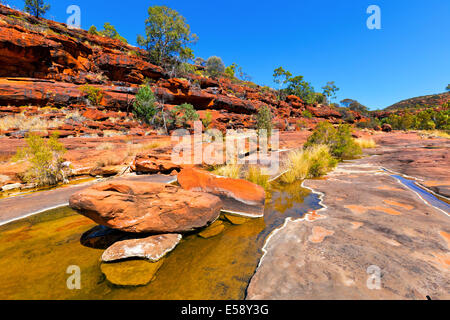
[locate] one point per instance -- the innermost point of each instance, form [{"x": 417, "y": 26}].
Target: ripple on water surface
[{"x": 35, "y": 253}]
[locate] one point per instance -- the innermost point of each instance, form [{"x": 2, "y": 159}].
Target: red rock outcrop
[
  {"x": 238, "y": 196},
  {"x": 154, "y": 163},
  {"x": 39, "y": 48},
  {"x": 145, "y": 207},
  {"x": 45, "y": 63}
]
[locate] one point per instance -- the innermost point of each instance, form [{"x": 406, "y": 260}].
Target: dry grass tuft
[
  {"x": 23, "y": 122},
  {"x": 310, "y": 163},
  {"x": 106, "y": 146},
  {"x": 436, "y": 133},
  {"x": 366, "y": 143},
  {"x": 258, "y": 176},
  {"x": 229, "y": 170}
]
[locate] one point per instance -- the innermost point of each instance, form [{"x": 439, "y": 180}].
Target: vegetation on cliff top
[
  {"x": 36, "y": 8},
  {"x": 167, "y": 36},
  {"x": 429, "y": 119},
  {"x": 108, "y": 31}
]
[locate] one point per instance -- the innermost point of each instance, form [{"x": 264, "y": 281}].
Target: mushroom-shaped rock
[
  {"x": 238, "y": 196},
  {"x": 146, "y": 207},
  {"x": 151, "y": 248}
]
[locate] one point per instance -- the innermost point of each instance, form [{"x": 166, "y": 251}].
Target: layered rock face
[
  {"x": 145, "y": 207},
  {"x": 44, "y": 63}
]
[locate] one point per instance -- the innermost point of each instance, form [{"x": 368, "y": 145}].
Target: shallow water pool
[{"x": 35, "y": 253}]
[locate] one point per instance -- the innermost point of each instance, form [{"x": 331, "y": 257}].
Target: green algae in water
[{"x": 35, "y": 253}]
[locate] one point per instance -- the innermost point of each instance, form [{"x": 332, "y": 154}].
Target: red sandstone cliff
[{"x": 44, "y": 63}]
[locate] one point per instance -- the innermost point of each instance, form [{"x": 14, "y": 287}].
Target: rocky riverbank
[{"x": 374, "y": 239}]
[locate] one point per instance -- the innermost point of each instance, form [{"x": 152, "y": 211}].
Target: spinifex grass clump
[
  {"x": 258, "y": 176},
  {"x": 230, "y": 170},
  {"x": 340, "y": 141},
  {"x": 312, "y": 162},
  {"x": 46, "y": 159},
  {"x": 366, "y": 143}
]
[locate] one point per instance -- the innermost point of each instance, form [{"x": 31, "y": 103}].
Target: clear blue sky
[{"x": 323, "y": 40}]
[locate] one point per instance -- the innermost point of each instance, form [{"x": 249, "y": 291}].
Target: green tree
[
  {"x": 281, "y": 77},
  {"x": 200, "y": 62},
  {"x": 355, "y": 106},
  {"x": 264, "y": 120},
  {"x": 329, "y": 90},
  {"x": 448, "y": 87},
  {"x": 144, "y": 104},
  {"x": 36, "y": 8},
  {"x": 167, "y": 36},
  {"x": 299, "y": 87},
  {"x": 215, "y": 66}
]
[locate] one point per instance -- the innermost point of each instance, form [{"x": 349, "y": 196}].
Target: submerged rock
[
  {"x": 213, "y": 230},
  {"x": 238, "y": 196},
  {"x": 152, "y": 248},
  {"x": 235, "y": 219},
  {"x": 131, "y": 272},
  {"x": 146, "y": 207}
]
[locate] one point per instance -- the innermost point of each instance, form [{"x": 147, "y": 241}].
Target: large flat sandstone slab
[
  {"x": 371, "y": 223},
  {"x": 146, "y": 207}
]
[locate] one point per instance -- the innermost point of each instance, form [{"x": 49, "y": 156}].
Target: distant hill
[{"x": 420, "y": 102}]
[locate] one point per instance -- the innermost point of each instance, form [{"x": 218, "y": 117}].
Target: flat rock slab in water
[
  {"x": 130, "y": 273},
  {"x": 151, "y": 248},
  {"x": 239, "y": 196}
]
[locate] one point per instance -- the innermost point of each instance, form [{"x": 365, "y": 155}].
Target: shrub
[
  {"x": 264, "y": 120},
  {"x": 46, "y": 158},
  {"x": 340, "y": 141},
  {"x": 182, "y": 114},
  {"x": 215, "y": 66},
  {"x": 110, "y": 31},
  {"x": 372, "y": 123},
  {"x": 144, "y": 104},
  {"x": 95, "y": 95},
  {"x": 312, "y": 162},
  {"x": 207, "y": 120},
  {"x": 307, "y": 114},
  {"x": 230, "y": 71},
  {"x": 423, "y": 120},
  {"x": 258, "y": 176}
]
